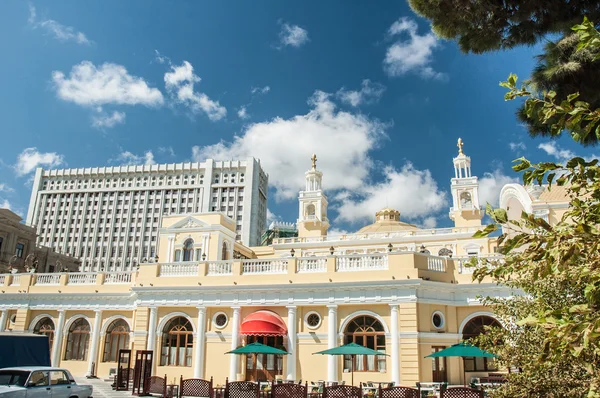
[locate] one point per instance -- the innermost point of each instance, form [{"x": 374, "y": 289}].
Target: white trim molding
[
  {"x": 475, "y": 315},
  {"x": 163, "y": 321},
  {"x": 367, "y": 313},
  {"x": 38, "y": 318},
  {"x": 72, "y": 319},
  {"x": 110, "y": 320}
]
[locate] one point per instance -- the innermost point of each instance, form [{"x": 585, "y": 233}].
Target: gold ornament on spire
[
  {"x": 460, "y": 146},
  {"x": 314, "y": 161}
]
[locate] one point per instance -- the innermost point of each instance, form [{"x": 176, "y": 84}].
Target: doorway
[
  {"x": 264, "y": 367},
  {"x": 438, "y": 366}
]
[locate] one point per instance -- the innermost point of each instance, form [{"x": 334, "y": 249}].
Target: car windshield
[{"x": 13, "y": 377}]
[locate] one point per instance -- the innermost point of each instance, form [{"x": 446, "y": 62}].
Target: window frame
[
  {"x": 179, "y": 330},
  {"x": 115, "y": 331}
]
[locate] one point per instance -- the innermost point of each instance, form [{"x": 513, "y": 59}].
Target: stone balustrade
[
  {"x": 276, "y": 270},
  {"x": 362, "y": 262}
]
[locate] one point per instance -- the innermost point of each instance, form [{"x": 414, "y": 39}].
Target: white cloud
[
  {"x": 128, "y": 158},
  {"x": 337, "y": 231},
  {"x": 292, "y": 35},
  {"x": 412, "y": 192},
  {"x": 30, "y": 159},
  {"x": 108, "y": 121},
  {"x": 180, "y": 84},
  {"x": 517, "y": 146},
  {"x": 58, "y": 30},
  {"x": 272, "y": 217},
  {"x": 285, "y": 146},
  {"x": 429, "y": 222},
  {"x": 413, "y": 54},
  {"x": 490, "y": 186},
  {"x": 243, "y": 113},
  {"x": 552, "y": 149},
  {"x": 260, "y": 90},
  {"x": 5, "y": 188},
  {"x": 161, "y": 59},
  {"x": 5, "y": 204},
  {"x": 88, "y": 85},
  {"x": 166, "y": 150},
  {"x": 369, "y": 93}
]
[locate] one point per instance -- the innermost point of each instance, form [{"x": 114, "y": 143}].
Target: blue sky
[{"x": 365, "y": 85}]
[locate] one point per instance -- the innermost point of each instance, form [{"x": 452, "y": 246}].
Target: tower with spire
[
  {"x": 312, "y": 205},
  {"x": 466, "y": 210}
]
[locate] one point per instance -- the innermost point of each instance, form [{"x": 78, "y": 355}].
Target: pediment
[{"x": 189, "y": 223}]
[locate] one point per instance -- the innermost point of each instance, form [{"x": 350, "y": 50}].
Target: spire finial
[
  {"x": 314, "y": 161},
  {"x": 460, "y": 146}
]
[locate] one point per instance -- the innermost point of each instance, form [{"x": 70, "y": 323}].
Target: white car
[{"x": 41, "y": 382}]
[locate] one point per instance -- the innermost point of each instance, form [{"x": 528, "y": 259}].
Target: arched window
[
  {"x": 445, "y": 252},
  {"x": 117, "y": 338},
  {"x": 78, "y": 341},
  {"x": 225, "y": 252},
  {"x": 177, "y": 343},
  {"x": 310, "y": 210},
  {"x": 188, "y": 249},
  {"x": 474, "y": 328},
  {"x": 368, "y": 332},
  {"x": 46, "y": 327},
  {"x": 465, "y": 200}
]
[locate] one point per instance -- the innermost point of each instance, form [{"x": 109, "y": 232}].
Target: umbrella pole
[
  {"x": 353, "y": 359},
  {"x": 464, "y": 373}
]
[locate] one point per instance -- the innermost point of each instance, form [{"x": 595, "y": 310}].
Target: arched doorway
[
  {"x": 265, "y": 327},
  {"x": 474, "y": 328}
]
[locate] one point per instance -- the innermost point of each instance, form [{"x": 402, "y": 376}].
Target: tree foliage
[
  {"x": 488, "y": 25},
  {"x": 552, "y": 324},
  {"x": 564, "y": 68}
]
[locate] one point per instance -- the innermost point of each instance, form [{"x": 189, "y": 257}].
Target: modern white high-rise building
[{"x": 109, "y": 216}]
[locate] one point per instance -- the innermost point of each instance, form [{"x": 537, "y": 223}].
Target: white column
[
  {"x": 200, "y": 335},
  {"x": 58, "y": 338},
  {"x": 292, "y": 357},
  {"x": 170, "y": 250},
  {"x": 235, "y": 338},
  {"x": 151, "y": 344},
  {"x": 93, "y": 359},
  {"x": 395, "y": 345},
  {"x": 3, "y": 319},
  {"x": 332, "y": 334}
]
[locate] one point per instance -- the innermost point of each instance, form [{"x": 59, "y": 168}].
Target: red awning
[{"x": 263, "y": 323}]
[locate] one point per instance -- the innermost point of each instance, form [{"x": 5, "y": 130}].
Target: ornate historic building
[{"x": 391, "y": 286}]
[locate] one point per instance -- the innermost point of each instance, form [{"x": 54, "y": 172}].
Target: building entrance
[{"x": 264, "y": 367}]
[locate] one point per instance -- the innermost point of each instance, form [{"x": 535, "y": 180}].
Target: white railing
[
  {"x": 113, "y": 278},
  {"x": 464, "y": 266},
  {"x": 436, "y": 264},
  {"x": 2, "y": 279},
  {"x": 16, "y": 280},
  {"x": 312, "y": 264},
  {"x": 377, "y": 235},
  {"x": 264, "y": 266},
  {"x": 361, "y": 262},
  {"x": 82, "y": 279},
  {"x": 219, "y": 267},
  {"x": 179, "y": 269},
  {"x": 47, "y": 279}
]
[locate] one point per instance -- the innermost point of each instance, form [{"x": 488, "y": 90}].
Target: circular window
[
  {"x": 312, "y": 320},
  {"x": 220, "y": 320},
  {"x": 438, "y": 320}
]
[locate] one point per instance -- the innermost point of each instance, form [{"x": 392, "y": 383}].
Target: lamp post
[
  {"x": 422, "y": 248},
  {"x": 331, "y": 250},
  {"x": 203, "y": 256},
  {"x": 390, "y": 247},
  {"x": 292, "y": 252}
]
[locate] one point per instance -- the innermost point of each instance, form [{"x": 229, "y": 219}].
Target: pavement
[{"x": 103, "y": 389}]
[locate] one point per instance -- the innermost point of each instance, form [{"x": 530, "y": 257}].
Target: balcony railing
[
  {"x": 82, "y": 279},
  {"x": 312, "y": 264},
  {"x": 16, "y": 280},
  {"x": 361, "y": 262},
  {"x": 219, "y": 268},
  {"x": 465, "y": 268},
  {"x": 179, "y": 269},
  {"x": 436, "y": 264},
  {"x": 264, "y": 266},
  {"x": 115, "y": 278},
  {"x": 47, "y": 279},
  {"x": 2, "y": 279}
]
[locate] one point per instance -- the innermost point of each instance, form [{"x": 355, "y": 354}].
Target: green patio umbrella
[
  {"x": 351, "y": 349},
  {"x": 257, "y": 348},
  {"x": 464, "y": 350}
]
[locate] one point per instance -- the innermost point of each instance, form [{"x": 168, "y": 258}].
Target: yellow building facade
[{"x": 391, "y": 286}]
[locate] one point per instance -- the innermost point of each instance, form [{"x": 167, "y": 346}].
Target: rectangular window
[{"x": 19, "y": 250}]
